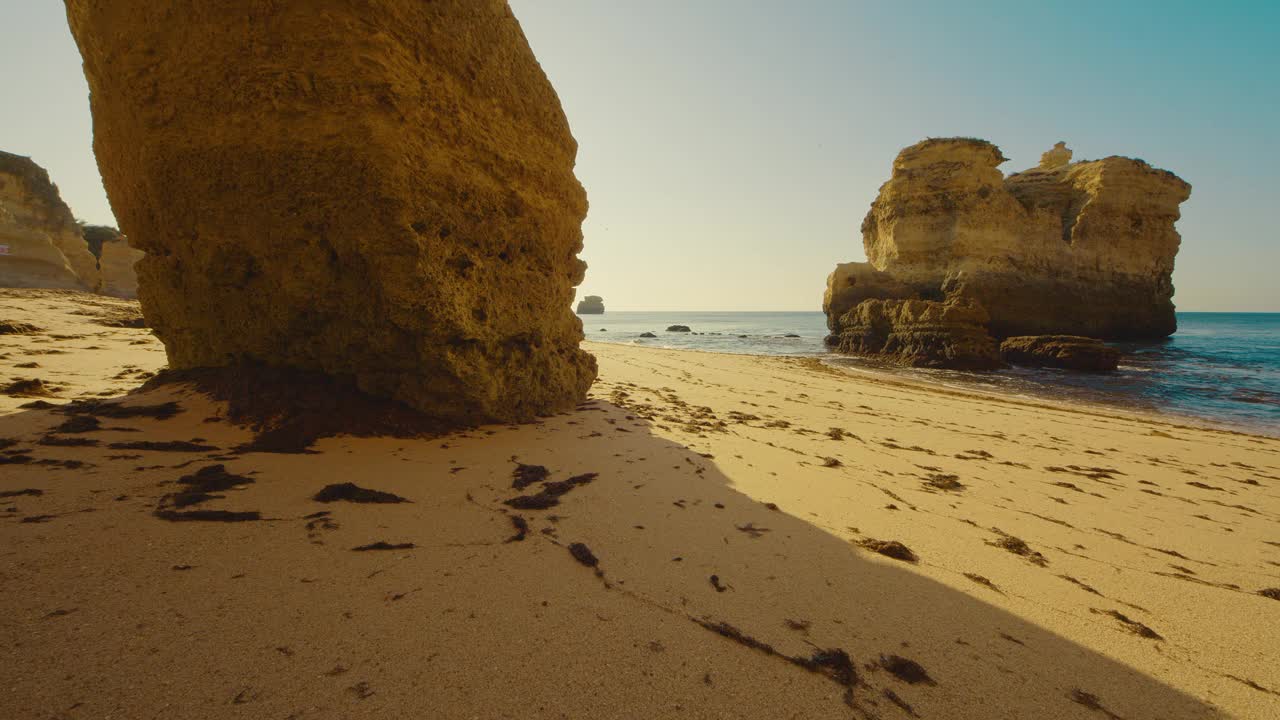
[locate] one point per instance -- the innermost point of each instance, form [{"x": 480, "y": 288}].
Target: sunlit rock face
[
  {"x": 40, "y": 242},
  {"x": 1083, "y": 248},
  {"x": 381, "y": 190}
]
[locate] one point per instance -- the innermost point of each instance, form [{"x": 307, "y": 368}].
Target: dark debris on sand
[
  {"x": 384, "y": 545},
  {"x": 289, "y": 409},
  {"x": 583, "y": 554},
  {"x": 834, "y": 663},
  {"x": 1130, "y": 624},
  {"x": 522, "y": 529},
  {"x": 1017, "y": 546},
  {"x": 162, "y": 446},
  {"x": 890, "y": 548},
  {"x": 208, "y": 515},
  {"x": 10, "y": 327},
  {"x": 1273, "y": 593},
  {"x": 201, "y": 486},
  {"x": 908, "y": 671},
  {"x": 525, "y": 475},
  {"x": 550, "y": 494},
  {"x": 33, "y": 492},
  {"x": 350, "y": 492}
]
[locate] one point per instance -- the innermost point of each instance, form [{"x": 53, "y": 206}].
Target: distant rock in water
[
  {"x": 1061, "y": 351},
  {"x": 647, "y": 335},
  {"x": 115, "y": 260},
  {"x": 1084, "y": 248},
  {"x": 591, "y": 305},
  {"x": 678, "y": 328},
  {"x": 381, "y": 191},
  {"x": 40, "y": 242}
]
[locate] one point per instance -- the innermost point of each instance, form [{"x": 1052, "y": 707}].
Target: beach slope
[{"x": 708, "y": 536}]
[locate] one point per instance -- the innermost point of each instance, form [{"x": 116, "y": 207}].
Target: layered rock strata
[
  {"x": 1070, "y": 352},
  {"x": 920, "y": 333},
  {"x": 1084, "y": 248},
  {"x": 383, "y": 191},
  {"x": 591, "y": 305},
  {"x": 40, "y": 242}
]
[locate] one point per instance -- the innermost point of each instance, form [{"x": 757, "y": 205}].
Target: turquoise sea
[{"x": 1219, "y": 368}]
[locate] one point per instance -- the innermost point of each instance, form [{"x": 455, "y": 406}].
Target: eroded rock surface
[
  {"x": 1062, "y": 351},
  {"x": 1083, "y": 248},
  {"x": 591, "y": 305},
  {"x": 40, "y": 243},
  {"x": 382, "y": 191},
  {"x": 920, "y": 333},
  {"x": 116, "y": 260}
]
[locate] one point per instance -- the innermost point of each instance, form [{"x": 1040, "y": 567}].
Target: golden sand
[{"x": 1040, "y": 561}]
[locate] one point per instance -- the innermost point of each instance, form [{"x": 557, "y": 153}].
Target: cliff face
[
  {"x": 383, "y": 190},
  {"x": 591, "y": 305},
  {"x": 1082, "y": 248},
  {"x": 115, "y": 260},
  {"x": 40, "y": 243}
]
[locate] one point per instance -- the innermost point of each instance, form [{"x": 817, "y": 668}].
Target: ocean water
[{"x": 1221, "y": 369}]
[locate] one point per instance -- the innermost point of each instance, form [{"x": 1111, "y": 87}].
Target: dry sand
[{"x": 1054, "y": 561}]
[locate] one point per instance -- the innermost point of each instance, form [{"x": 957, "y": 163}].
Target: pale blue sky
[{"x": 730, "y": 148}]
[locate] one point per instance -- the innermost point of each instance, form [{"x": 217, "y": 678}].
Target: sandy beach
[{"x": 708, "y": 536}]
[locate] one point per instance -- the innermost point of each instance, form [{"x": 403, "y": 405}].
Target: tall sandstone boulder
[
  {"x": 1084, "y": 248},
  {"x": 376, "y": 189},
  {"x": 40, "y": 242}
]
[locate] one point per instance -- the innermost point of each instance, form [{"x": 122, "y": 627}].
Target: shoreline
[{"x": 898, "y": 375}]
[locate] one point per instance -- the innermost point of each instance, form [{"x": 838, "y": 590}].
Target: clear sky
[{"x": 730, "y": 148}]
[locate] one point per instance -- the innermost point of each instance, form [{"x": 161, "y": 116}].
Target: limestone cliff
[
  {"x": 115, "y": 260},
  {"x": 383, "y": 190},
  {"x": 591, "y": 305},
  {"x": 40, "y": 243},
  {"x": 1084, "y": 248}
]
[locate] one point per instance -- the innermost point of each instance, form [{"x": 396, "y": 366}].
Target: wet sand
[{"x": 709, "y": 536}]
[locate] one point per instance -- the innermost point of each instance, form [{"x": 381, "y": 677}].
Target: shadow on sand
[{"x": 703, "y": 602}]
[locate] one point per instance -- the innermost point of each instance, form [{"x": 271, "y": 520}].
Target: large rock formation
[
  {"x": 40, "y": 242},
  {"x": 383, "y": 190},
  {"x": 591, "y": 305},
  {"x": 115, "y": 260},
  {"x": 1083, "y": 248}
]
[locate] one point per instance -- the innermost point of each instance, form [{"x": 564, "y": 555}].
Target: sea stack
[
  {"x": 382, "y": 191},
  {"x": 40, "y": 243},
  {"x": 1084, "y": 248},
  {"x": 591, "y": 305}
]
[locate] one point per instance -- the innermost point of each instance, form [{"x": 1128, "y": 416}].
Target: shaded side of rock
[
  {"x": 403, "y": 212},
  {"x": 1061, "y": 351}
]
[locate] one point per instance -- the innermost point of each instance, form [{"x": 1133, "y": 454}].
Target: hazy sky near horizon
[{"x": 730, "y": 149}]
